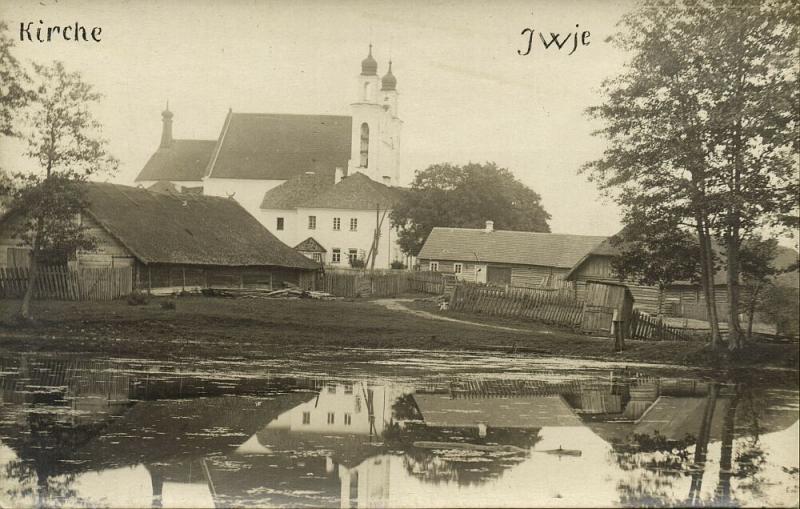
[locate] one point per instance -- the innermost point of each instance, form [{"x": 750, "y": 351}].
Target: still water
[{"x": 392, "y": 429}]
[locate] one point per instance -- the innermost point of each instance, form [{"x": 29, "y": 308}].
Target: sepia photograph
[{"x": 373, "y": 254}]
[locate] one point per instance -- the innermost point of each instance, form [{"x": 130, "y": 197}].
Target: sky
[{"x": 465, "y": 94}]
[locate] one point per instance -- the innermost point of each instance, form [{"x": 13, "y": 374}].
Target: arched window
[
  {"x": 364, "y": 145},
  {"x": 367, "y": 91}
]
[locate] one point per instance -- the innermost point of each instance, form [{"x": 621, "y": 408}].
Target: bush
[
  {"x": 781, "y": 304},
  {"x": 167, "y": 304},
  {"x": 137, "y": 298},
  {"x": 397, "y": 264},
  {"x": 358, "y": 263}
]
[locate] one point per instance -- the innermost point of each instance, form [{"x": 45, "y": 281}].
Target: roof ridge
[
  {"x": 213, "y": 161},
  {"x": 291, "y": 114}
]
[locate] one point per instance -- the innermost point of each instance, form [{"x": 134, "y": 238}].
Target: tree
[
  {"x": 63, "y": 141},
  {"x": 465, "y": 197},
  {"x": 702, "y": 126},
  {"x": 655, "y": 255},
  {"x": 14, "y": 94}
]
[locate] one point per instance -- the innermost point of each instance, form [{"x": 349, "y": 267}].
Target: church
[{"x": 324, "y": 184}]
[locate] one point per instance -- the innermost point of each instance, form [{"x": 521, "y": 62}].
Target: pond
[{"x": 359, "y": 428}]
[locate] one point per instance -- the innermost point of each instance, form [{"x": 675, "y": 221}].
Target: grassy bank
[{"x": 218, "y": 327}]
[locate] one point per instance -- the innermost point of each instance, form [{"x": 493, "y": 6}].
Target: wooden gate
[{"x": 601, "y": 301}]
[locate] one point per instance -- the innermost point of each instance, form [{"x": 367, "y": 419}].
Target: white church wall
[{"x": 248, "y": 192}]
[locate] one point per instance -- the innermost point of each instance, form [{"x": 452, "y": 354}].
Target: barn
[
  {"x": 177, "y": 241},
  {"x": 499, "y": 257}
]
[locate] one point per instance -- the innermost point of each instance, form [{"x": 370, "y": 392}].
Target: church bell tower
[{"x": 375, "y": 146}]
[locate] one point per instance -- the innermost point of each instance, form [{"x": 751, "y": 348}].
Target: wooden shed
[
  {"x": 176, "y": 242},
  {"x": 603, "y": 301}
]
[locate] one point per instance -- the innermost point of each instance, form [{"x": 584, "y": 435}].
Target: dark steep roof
[
  {"x": 356, "y": 191},
  {"x": 183, "y": 160},
  {"x": 187, "y": 229},
  {"x": 310, "y": 245},
  {"x": 279, "y": 146},
  {"x": 511, "y": 247},
  {"x": 296, "y": 190}
]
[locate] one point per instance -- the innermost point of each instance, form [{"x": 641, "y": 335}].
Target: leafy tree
[
  {"x": 655, "y": 256},
  {"x": 702, "y": 126},
  {"x": 63, "y": 141},
  {"x": 14, "y": 81},
  {"x": 465, "y": 197},
  {"x": 781, "y": 305}
]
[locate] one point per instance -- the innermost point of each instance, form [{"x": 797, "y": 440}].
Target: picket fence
[
  {"x": 62, "y": 283},
  {"x": 555, "y": 306},
  {"x": 643, "y": 326},
  {"x": 379, "y": 284}
]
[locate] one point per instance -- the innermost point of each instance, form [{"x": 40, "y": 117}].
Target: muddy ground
[{"x": 218, "y": 327}]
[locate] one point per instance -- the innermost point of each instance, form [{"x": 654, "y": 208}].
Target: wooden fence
[
  {"x": 379, "y": 284},
  {"x": 643, "y": 326},
  {"x": 65, "y": 284},
  {"x": 555, "y": 306}
]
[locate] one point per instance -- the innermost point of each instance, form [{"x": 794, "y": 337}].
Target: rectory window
[
  {"x": 336, "y": 255},
  {"x": 337, "y": 223},
  {"x": 279, "y": 224},
  {"x": 352, "y": 255},
  {"x": 353, "y": 224},
  {"x": 306, "y": 417},
  {"x": 312, "y": 222}
]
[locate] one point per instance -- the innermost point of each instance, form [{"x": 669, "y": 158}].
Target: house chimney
[
  {"x": 166, "y": 131},
  {"x": 489, "y": 226},
  {"x": 338, "y": 175}
]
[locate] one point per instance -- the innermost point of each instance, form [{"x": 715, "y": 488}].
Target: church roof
[
  {"x": 357, "y": 192},
  {"x": 182, "y": 160},
  {"x": 270, "y": 146},
  {"x": 296, "y": 190}
]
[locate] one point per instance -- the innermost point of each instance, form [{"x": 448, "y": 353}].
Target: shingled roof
[
  {"x": 295, "y": 191},
  {"x": 357, "y": 192},
  {"x": 183, "y": 160},
  {"x": 510, "y": 247},
  {"x": 278, "y": 146},
  {"x": 187, "y": 229}
]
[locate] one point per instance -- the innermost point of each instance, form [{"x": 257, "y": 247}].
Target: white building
[{"x": 317, "y": 180}]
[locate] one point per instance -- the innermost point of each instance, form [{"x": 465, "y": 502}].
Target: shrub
[
  {"x": 397, "y": 264},
  {"x": 137, "y": 298},
  {"x": 781, "y": 304},
  {"x": 358, "y": 263}
]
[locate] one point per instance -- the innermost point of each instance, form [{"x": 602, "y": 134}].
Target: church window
[
  {"x": 279, "y": 224},
  {"x": 336, "y": 255},
  {"x": 312, "y": 222},
  {"x": 364, "y": 145},
  {"x": 367, "y": 91},
  {"x": 353, "y": 224},
  {"x": 337, "y": 223}
]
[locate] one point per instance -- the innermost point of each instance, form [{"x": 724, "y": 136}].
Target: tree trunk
[
  {"x": 33, "y": 276},
  {"x": 751, "y": 309},
  {"x": 735, "y": 336},
  {"x": 707, "y": 280}
]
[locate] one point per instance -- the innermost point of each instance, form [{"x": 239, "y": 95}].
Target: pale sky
[{"x": 465, "y": 93}]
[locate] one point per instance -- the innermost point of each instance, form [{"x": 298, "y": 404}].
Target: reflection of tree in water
[
  {"x": 654, "y": 463},
  {"x": 463, "y": 466}
]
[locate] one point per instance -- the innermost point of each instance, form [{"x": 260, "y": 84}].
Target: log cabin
[{"x": 175, "y": 241}]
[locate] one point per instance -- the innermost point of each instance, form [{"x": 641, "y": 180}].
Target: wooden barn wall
[
  {"x": 156, "y": 276},
  {"x": 525, "y": 276},
  {"x": 9, "y": 243}
]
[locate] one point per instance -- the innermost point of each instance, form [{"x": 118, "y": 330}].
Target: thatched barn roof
[{"x": 187, "y": 229}]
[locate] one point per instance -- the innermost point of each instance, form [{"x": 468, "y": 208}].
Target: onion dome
[
  {"x": 389, "y": 82},
  {"x": 166, "y": 113},
  {"x": 369, "y": 67}
]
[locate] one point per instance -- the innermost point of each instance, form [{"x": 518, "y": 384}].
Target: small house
[
  {"x": 177, "y": 241},
  {"x": 524, "y": 259}
]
